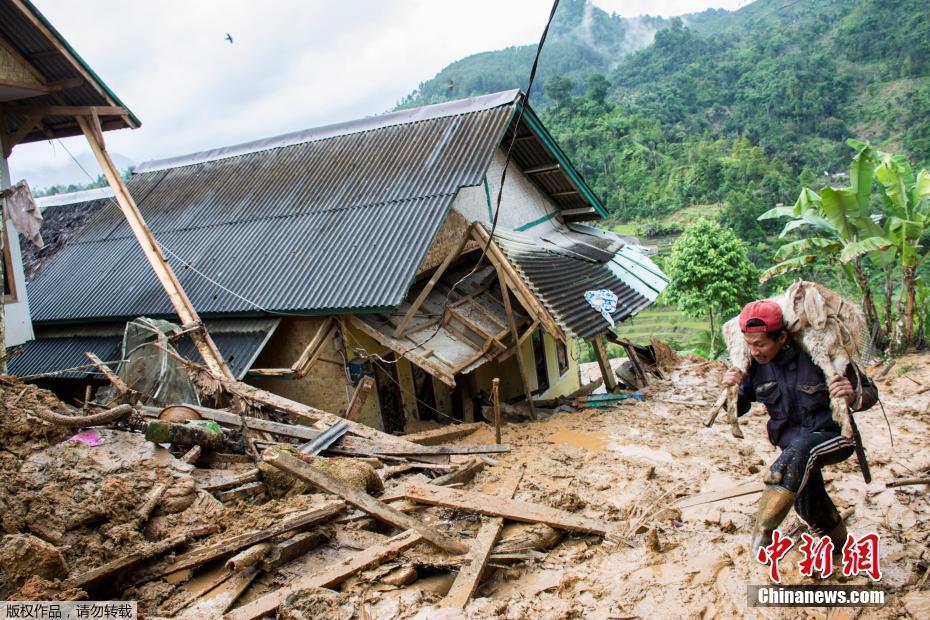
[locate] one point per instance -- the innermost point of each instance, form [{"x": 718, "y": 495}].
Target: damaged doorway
[{"x": 392, "y": 406}]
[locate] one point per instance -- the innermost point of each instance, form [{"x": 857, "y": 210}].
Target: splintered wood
[{"x": 363, "y": 501}]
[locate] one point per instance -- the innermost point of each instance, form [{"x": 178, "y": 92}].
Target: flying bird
[{"x": 229, "y": 38}]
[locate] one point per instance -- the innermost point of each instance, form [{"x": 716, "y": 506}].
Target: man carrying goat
[{"x": 797, "y": 397}]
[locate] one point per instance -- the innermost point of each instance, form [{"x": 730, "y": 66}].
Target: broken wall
[{"x": 324, "y": 387}]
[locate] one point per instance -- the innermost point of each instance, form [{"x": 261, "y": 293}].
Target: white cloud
[{"x": 293, "y": 64}]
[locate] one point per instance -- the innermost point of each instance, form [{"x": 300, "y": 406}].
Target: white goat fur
[{"x": 826, "y": 326}]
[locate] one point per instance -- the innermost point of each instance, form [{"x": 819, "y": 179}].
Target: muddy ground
[{"x": 626, "y": 466}]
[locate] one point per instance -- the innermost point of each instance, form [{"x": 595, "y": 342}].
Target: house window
[
  {"x": 539, "y": 357},
  {"x": 561, "y": 355},
  {"x": 9, "y": 284}
]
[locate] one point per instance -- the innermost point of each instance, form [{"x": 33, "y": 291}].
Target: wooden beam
[
  {"x": 543, "y": 169},
  {"x": 396, "y": 345},
  {"x": 69, "y": 110},
  {"x": 492, "y": 505},
  {"x": 361, "y": 500},
  {"x": 570, "y": 192},
  {"x": 179, "y": 300},
  {"x": 467, "y": 580},
  {"x": 12, "y": 139},
  {"x": 443, "y": 434},
  {"x": 234, "y": 420},
  {"x": 351, "y": 445},
  {"x": 496, "y": 401},
  {"x": 328, "y": 576},
  {"x": 359, "y": 396},
  {"x": 521, "y": 364},
  {"x": 600, "y": 352},
  {"x": 202, "y": 555},
  {"x": 399, "y": 330},
  {"x": 93, "y": 577},
  {"x": 313, "y": 351}
]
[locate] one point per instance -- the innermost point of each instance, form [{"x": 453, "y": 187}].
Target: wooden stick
[
  {"x": 495, "y": 398},
  {"x": 111, "y": 376},
  {"x": 363, "y": 501},
  {"x": 505, "y": 294},
  {"x": 908, "y": 482},
  {"x": 515, "y": 510},
  {"x": 327, "y": 576},
  {"x": 359, "y": 396},
  {"x": 463, "y": 474},
  {"x": 467, "y": 580},
  {"x": 204, "y": 554}
]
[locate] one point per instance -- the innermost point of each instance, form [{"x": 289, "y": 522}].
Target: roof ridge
[{"x": 390, "y": 119}]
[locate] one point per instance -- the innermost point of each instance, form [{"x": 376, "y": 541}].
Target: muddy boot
[
  {"x": 838, "y": 536},
  {"x": 774, "y": 505}
]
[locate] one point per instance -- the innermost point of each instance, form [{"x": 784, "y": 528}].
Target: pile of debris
[{"x": 193, "y": 510}]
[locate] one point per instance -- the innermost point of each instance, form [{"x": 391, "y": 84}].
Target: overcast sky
[{"x": 294, "y": 64}]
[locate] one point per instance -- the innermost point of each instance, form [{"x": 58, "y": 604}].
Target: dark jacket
[{"x": 795, "y": 394}]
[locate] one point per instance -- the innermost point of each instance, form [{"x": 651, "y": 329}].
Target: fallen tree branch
[{"x": 96, "y": 419}]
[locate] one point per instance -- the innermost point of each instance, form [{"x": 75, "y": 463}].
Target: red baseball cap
[{"x": 766, "y": 311}]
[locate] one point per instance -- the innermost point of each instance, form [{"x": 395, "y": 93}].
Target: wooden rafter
[{"x": 434, "y": 279}]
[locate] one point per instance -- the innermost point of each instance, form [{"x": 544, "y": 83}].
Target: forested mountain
[{"x": 729, "y": 108}]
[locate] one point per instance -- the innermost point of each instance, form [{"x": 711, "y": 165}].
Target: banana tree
[
  {"x": 835, "y": 219},
  {"x": 906, "y": 198}
]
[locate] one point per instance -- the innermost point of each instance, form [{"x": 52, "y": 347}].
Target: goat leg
[
  {"x": 732, "y": 398},
  {"x": 712, "y": 414}
]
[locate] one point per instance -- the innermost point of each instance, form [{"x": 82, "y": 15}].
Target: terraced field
[{"x": 665, "y": 323}]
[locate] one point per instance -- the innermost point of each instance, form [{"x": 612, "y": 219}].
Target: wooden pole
[
  {"x": 496, "y": 399},
  {"x": 600, "y": 352},
  {"x": 359, "y": 396},
  {"x": 505, "y": 294},
  {"x": 179, "y": 300}
]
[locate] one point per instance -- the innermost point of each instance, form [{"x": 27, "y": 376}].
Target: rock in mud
[
  {"x": 312, "y": 603},
  {"x": 23, "y": 556}
]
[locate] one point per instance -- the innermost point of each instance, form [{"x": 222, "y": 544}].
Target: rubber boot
[
  {"x": 838, "y": 536},
  {"x": 774, "y": 505}
]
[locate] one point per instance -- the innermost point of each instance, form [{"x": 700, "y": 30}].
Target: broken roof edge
[
  {"x": 73, "y": 198},
  {"x": 79, "y": 63},
  {"x": 401, "y": 117}
]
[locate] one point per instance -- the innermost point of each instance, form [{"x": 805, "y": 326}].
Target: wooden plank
[
  {"x": 416, "y": 356},
  {"x": 600, "y": 352},
  {"x": 353, "y": 445},
  {"x": 215, "y": 602},
  {"x": 363, "y": 501},
  {"x": 467, "y": 580},
  {"x": 246, "y": 490},
  {"x": 399, "y": 330},
  {"x": 222, "y": 484},
  {"x": 111, "y": 376},
  {"x": 521, "y": 364},
  {"x": 78, "y": 111},
  {"x": 214, "y": 551},
  {"x": 327, "y": 576},
  {"x": 746, "y": 488},
  {"x": 441, "y": 435},
  {"x": 292, "y": 548},
  {"x": 159, "y": 263},
  {"x": 359, "y": 396},
  {"x": 93, "y": 577},
  {"x": 462, "y": 475},
  {"x": 515, "y": 510}
]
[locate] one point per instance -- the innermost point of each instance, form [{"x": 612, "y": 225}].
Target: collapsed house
[{"x": 363, "y": 248}]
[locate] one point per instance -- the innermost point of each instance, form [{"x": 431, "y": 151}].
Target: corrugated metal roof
[
  {"x": 238, "y": 341},
  {"x": 560, "y": 274},
  {"x": 36, "y": 41},
  {"x": 325, "y": 226}
]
